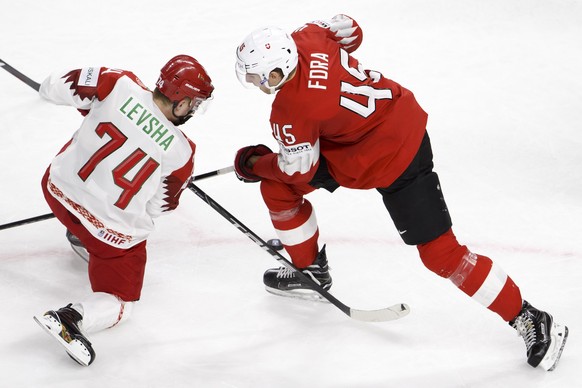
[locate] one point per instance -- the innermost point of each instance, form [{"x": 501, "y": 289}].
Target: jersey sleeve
[
  {"x": 80, "y": 87},
  {"x": 297, "y": 159},
  {"x": 342, "y": 29}
]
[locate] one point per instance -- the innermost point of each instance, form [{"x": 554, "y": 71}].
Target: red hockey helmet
[{"x": 183, "y": 76}]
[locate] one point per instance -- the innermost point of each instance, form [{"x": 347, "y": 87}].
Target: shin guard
[
  {"x": 475, "y": 275},
  {"x": 102, "y": 311},
  {"x": 298, "y": 231}
]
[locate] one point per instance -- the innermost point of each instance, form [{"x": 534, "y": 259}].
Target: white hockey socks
[{"x": 101, "y": 311}]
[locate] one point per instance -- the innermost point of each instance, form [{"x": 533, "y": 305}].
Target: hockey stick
[
  {"x": 220, "y": 171},
  {"x": 27, "y": 221},
  {"x": 48, "y": 216},
  {"x": 386, "y": 314},
  {"x": 19, "y": 75}
]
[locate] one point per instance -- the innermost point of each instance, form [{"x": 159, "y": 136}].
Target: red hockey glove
[
  {"x": 242, "y": 167},
  {"x": 347, "y": 32}
]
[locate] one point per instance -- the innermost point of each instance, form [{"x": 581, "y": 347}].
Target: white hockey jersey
[{"x": 126, "y": 164}]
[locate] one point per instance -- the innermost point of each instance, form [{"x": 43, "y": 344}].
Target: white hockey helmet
[{"x": 262, "y": 51}]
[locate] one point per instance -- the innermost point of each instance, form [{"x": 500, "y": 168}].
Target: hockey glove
[
  {"x": 347, "y": 32},
  {"x": 242, "y": 167}
]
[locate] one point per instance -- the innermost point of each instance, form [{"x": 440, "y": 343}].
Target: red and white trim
[{"x": 299, "y": 234}]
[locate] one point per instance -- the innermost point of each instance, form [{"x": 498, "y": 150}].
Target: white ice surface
[{"x": 502, "y": 83}]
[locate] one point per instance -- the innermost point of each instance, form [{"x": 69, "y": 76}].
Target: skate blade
[
  {"x": 559, "y": 335},
  {"x": 64, "y": 343},
  {"x": 302, "y": 294}
]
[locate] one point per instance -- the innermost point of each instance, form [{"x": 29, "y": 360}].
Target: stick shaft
[
  {"x": 48, "y": 216},
  {"x": 19, "y": 75}
]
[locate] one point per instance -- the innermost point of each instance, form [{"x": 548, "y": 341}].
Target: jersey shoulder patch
[{"x": 89, "y": 77}]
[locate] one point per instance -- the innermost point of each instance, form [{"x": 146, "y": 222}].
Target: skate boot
[
  {"x": 78, "y": 246},
  {"x": 63, "y": 325},
  {"x": 544, "y": 338},
  {"x": 285, "y": 282}
]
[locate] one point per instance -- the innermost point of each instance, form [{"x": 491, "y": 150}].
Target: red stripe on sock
[{"x": 508, "y": 302}]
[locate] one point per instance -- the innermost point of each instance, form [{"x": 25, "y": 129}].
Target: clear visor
[
  {"x": 200, "y": 105},
  {"x": 249, "y": 80}
]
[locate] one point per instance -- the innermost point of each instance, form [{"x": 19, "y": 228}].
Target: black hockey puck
[{"x": 275, "y": 243}]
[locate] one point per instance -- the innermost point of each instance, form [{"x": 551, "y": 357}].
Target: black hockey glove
[{"x": 242, "y": 167}]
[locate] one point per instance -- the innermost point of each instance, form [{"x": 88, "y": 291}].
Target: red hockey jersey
[{"x": 366, "y": 126}]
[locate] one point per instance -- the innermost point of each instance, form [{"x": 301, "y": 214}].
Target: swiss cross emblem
[{"x": 268, "y": 46}]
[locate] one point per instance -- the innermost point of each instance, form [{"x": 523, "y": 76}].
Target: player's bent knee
[
  {"x": 443, "y": 255},
  {"x": 419, "y": 210}
]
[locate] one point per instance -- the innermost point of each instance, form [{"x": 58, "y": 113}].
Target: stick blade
[{"x": 391, "y": 313}]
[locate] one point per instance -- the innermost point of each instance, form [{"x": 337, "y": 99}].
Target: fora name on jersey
[
  {"x": 153, "y": 127},
  {"x": 318, "y": 70}
]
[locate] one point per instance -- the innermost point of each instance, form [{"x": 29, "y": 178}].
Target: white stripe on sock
[
  {"x": 300, "y": 234},
  {"x": 491, "y": 287}
]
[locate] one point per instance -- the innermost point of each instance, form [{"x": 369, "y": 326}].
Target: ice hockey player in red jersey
[
  {"x": 127, "y": 164},
  {"x": 338, "y": 124}
]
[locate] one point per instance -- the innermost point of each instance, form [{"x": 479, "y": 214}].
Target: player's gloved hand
[
  {"x": 242, "y": 166},
  {"x": 347, "y": 32}
]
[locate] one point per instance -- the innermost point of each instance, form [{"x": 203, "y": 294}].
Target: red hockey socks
[
  {"x": 298, "y": 231},
  {"x": 477, "y": 276}
]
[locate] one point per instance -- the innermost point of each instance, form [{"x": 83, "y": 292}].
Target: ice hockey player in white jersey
[{"x": 127, "y": 164}]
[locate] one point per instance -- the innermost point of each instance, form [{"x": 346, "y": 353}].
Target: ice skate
[
  {"x": 63, "y": 326},
  {"x": 544, "y": 338},
  {"x": 285, "y": 282},
  {"x": 78, "y": 246}
]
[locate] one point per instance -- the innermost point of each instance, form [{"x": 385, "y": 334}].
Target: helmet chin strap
[
  {"x": 275, "y": 89},
  {"x": 180, "y": 119},
  {"x": 183, "y": 119}
]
